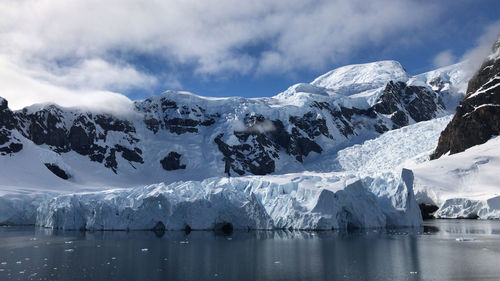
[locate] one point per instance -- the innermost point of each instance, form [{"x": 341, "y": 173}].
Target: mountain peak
[{"x": 356, "y": 78}]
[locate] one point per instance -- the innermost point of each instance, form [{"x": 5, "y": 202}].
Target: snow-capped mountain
[
  {"x": 182, "y": 136},
  {"x": 289, "y": 161}
]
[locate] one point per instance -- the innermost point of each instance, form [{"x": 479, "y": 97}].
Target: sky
[{"x": 104, "y": 54}]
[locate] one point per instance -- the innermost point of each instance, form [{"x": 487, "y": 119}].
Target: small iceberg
[{"x": 465, "y": 239}]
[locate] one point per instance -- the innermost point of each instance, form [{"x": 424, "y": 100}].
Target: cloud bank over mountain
[{"x": 89, "y": 49}]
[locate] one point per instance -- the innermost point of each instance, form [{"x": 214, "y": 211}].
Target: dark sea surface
[{"x": 442, "y": 250}]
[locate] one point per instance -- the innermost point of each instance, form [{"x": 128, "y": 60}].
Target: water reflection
[{"x": 430, "y": 252}]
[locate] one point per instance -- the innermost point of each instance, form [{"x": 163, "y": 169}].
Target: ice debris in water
[
  {"x": 69, "y": 250},
  {"x": 465, "y": 239},
  {"x": 144, "y": 249}
]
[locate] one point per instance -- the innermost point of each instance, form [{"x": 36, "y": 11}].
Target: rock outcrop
[{"x": 477, "y": 118}]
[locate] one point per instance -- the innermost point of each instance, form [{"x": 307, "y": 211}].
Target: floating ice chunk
[
  {"x": 69, "y": 250},
  {"x": 144, "y": 249},
  {"x": 465, "y": 239}
]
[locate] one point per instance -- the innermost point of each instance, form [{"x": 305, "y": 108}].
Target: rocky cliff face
[
  {"x": 8, "y": 142},
  {"x": 477, "y": 118},
  {"x": 179, "y": 132}
]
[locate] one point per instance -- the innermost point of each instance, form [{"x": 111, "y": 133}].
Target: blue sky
[
  {"x": 88, "y": 52},
  {"x": 457, "y": 30}
]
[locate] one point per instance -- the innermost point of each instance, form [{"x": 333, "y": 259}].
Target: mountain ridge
[{"x": 203, "y": 136}]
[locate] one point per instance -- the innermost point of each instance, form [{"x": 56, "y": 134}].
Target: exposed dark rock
[
  {"x": 130, "y": 155},
  {"x": 86, "y": 134},
  {"x": 340, "y": 118},
  {"x": 312, "y": 126},
  {"x": 44, "y": 127},
  {"x": 427, "y": 210},
  {"x": 111, "y": 161},
  {"x": 11, "y": 148},
  {"x": 159, "y": 226},
  {"x": 172, "y": 162},
  {"x": 245, "y": 157},
  {"x": 81, "y": 141},
  {"x": 478, "y": 116},
  {"x": 225, "y": 228},
  {"x": 57, "y": 171},
  {"x": 187, "y": 229},
  {"x": 262, "y": 140},
  {"x": 174, "y": 118},
  {"x": 8, "y": 143},
  {"x": 402, "y": 102}
]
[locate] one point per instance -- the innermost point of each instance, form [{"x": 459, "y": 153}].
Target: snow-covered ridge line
[{"x": 181, "y": 136}]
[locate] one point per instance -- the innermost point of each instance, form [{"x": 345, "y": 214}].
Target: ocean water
[{"x": 441, "y": 250}]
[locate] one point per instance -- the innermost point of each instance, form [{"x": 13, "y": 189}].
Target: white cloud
[
  {"x": 211, "y": 34},
  {"x": 20, "y": 90},
  {"x": 475, "y": 57},
  {"x": 444, "y": 58},
  {"x": 74, "y": 44},
  {"x": 96, "y": 74}
]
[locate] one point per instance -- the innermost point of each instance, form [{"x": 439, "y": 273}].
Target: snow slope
[
  {"x": 450, "y": 81},
  {"x": 358, "y": 78},
  {"x": 463, "y": 184}
]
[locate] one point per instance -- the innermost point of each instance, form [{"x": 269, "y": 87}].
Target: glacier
[{"x": 293, "y": 201}]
